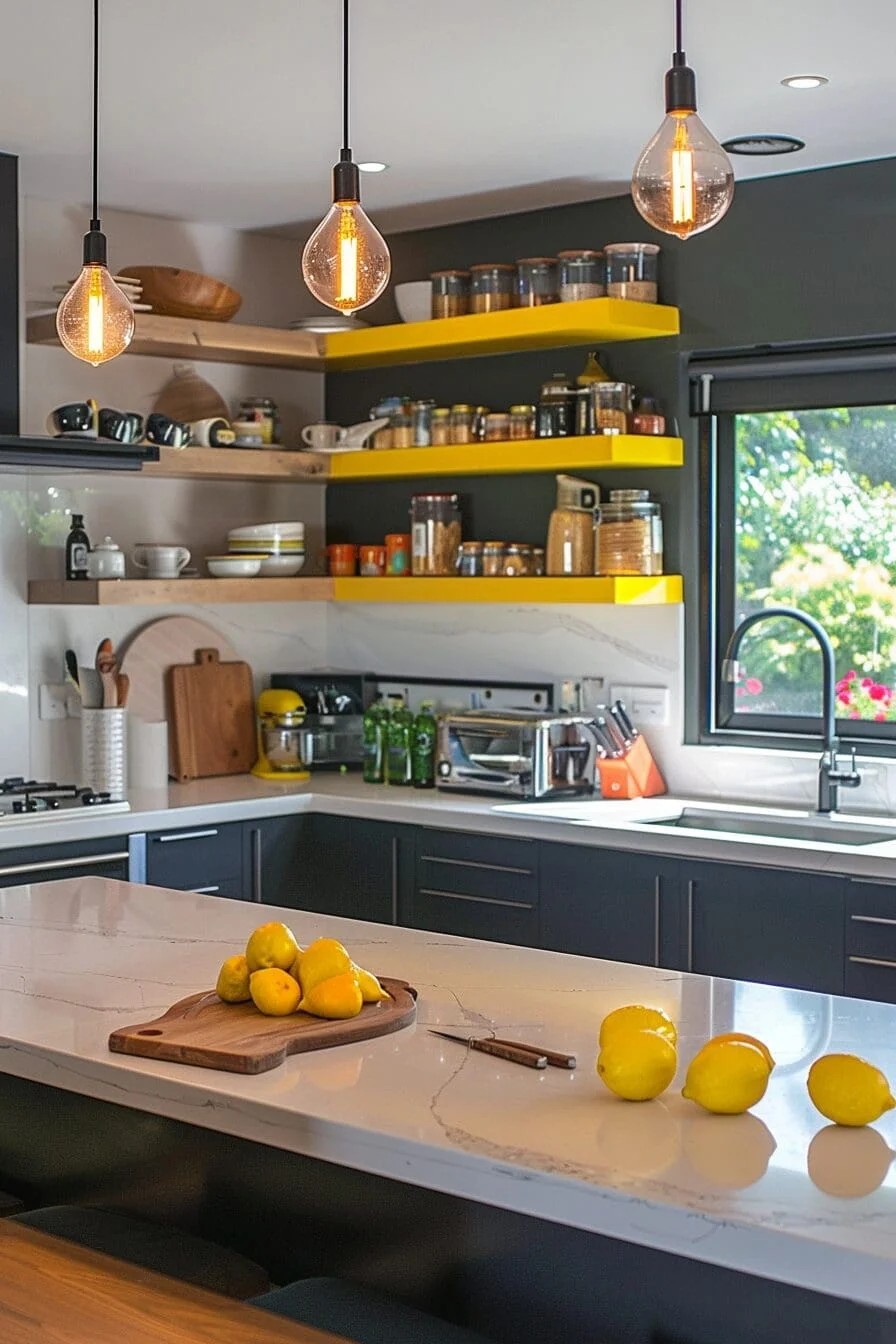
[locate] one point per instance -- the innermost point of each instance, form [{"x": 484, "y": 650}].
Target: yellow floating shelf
[
  {"x": 556, "y": 324},
  {"x": 492, "y": 459},
  {"x": 663, "y": 590}
]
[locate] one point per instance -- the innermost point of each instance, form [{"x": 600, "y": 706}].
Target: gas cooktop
[{"x": 26, "y": 800}]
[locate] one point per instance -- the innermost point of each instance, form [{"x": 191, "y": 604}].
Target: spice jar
[
  {"x": 479, "y": 417},
  {"x": 398, "y": 553},
  {"x": 629, "y": 534},
  {"x": 522, "y": 422},
  {"x": 435, "y": 534},
  {"x": 469, "y": 559},
  {"x": 401, "y": 427},
  {"x": 647, "y": 418},
  {"x": 421, "y": 417},
  {"x": 556, "y": 408},
  {"x": 581, "y": 275},
  {"x": 492, "y": 287},
  {"x": 342, "y": 559},
  {"x": 515, "y": 562},
  {"x": 537, "y": 281},
  {"x": 493, "y": 559},
  {"x": 632, "y": 271},
  {"x": 612, "y": 404},
  {"x": 461, "y": 422},
  {"x": 450, "y": 293},
  {"x": 440, "y": 427},
  {"x": 372, "y": 561},
  {"x": 570, "y": 542},
  {"x": 538, "y": 560},
  {"x": 265, "y": 413},
  {"x": 497, "y": 427}
]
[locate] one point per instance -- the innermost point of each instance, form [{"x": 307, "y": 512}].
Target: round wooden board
[{"x": 162, "y": 644}]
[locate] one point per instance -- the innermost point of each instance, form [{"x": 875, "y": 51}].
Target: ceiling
[{"x": 228, "y": 111}]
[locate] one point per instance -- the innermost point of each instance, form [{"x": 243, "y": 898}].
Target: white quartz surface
[{"x": 777, "y": 1192}]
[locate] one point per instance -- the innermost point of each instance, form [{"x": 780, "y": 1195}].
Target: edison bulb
[
  {"x": 346, "y": 262},
  {"x": 95, "y": 321},
  {"x": 683, "y": 182}
]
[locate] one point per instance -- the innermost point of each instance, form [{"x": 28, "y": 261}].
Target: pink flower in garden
[
  {"x": 878, "y": 692},
  {"x": 880, "y": 718},
  {"x": 866, "y": 682},
  {"x": 853, "y": 714},
  {"x": 753, "y": 686},
  {"x": 851, "y": 675},
  {"x": 844, "y": 697}
]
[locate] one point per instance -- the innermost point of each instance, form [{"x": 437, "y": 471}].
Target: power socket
[{"x": 647, "y": 706}]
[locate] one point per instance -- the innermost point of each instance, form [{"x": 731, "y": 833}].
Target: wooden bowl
[{"x": 176, "y": 293}]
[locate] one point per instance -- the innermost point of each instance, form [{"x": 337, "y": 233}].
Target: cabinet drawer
[
  {"x": 871, "y": 978},
  {"x": 871, "y": 920},
  {"x": 231, "y": 887},
  {"x": 496, "y": 919},
  {"x": 487, "y": 867},
  {"x": 199, "y": 856}
]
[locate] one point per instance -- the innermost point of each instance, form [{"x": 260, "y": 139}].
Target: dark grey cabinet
[
  {"x": 198, "y": 858},
  {"x": 474, "y": 886},
  {"x": 770, "y": 925},
  {"x": 108, "y": 857},
  {"x": 610, "y": 903},
  {"x": 871, "y": 939}
]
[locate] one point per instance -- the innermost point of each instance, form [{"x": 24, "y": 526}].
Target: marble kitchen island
[{"x": 536, "y": 1201}]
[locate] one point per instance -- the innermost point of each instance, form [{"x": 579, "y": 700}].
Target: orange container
[
  {"x": 398, "y": 553},
  {"x": 635, "y": 775},
  {"x": 342, "y": 559},
  {"x": 372, "y": 561}
]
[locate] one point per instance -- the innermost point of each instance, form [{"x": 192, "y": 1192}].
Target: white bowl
[
  {"x": 270, "y": 546},
  {"x": 291, "y": 531},
  {"x": 281, "y": 566},
  {"x": 414, "y": 300},
  {"x": 233, "y": 566}
]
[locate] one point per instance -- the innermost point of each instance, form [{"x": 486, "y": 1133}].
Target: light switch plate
[{"x": 647, "y": 706}]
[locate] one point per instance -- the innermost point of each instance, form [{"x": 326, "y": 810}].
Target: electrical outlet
[
  {"x": 53, "y": 701},
  {"x": 647, "y": 706}
]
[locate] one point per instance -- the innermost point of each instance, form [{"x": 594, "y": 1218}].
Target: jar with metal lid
[
  {"x": 402, "y": 430},
  {"x": 469, "y": 559},
  {"x": 612, "y": 407},
  {"x": 538, "y": 561},
  {"x": 492, "y": 287},
  {"x": 629, "y": 534},
  {"x": 264, "y": 411},
  {"x": 538, "y": 281},
  {"x": 522, "y": 422},
  {"x": 582, "y": 275},
  {"x": 647, "y": 418},
  {"x": 480, "y": 415},
  {"x": 462, "y": 416},
  {"x": 421, "y": 416},
  {"x": 450, "y": 293},
  {"x": 556, "y": 412},
  {"x": 493, "y": 559},
  {"x": 440, "y": 426},
  {"x": 515, "y": 560},
  {"x": 632, "y": 271},
  {"x": 435, "y": 534},
  {"x": 497, "y": 427}
]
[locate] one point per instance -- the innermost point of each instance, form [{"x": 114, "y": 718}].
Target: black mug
[
  {"x": 165, "y": 432},
  {"x": 125, "y": 426},
  {"x": 75, "y": 418}
]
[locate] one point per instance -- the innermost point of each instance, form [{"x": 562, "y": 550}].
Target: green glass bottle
[
  {"x": 373, "y": 732},
  {"x": 398, "y": 743},
  {"x": 423, "y": 748}
]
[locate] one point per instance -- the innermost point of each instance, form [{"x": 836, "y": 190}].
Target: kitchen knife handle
[
  {"x": 557, "y": 1058},
  {"x": 510, "y": 1053}
]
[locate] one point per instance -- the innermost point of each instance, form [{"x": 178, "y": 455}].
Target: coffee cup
[
  {"x": 323, "y": 437},
  {"x": 167, "y": 433},
  {"x": 125, "y": 426},
  {"x": 160, "y": 562},
  {"x": 75, "y": 418},
  {"x": 212, "y": 433}
]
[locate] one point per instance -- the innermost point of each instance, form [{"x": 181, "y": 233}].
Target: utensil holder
[
  {"x": 635, "y": 775},
  {"x": 104, "y": 751},
  {"x": 147, "y": 753}
]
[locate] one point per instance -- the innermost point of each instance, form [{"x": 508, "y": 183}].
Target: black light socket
[
  {"x": 95, "y": 245},
  {"x": 346, "y": 179},
  {"x": 681, "y": 86}
]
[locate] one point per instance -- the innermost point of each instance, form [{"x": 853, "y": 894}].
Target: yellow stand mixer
[{"x": 279, "y": 719}]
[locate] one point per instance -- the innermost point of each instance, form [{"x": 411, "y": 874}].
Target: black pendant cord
[
  {"x": 346, "y": 152},
  {"x": 346, "y": 179},
  {"x": 679, "y": 44},
  {"x": 94, "y": 222}
]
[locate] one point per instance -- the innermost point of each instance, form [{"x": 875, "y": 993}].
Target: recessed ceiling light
[
  {"x": 372, "y": 166},
  {"x": 763, "y": 144},
  {"x": 804, "y": 81}
]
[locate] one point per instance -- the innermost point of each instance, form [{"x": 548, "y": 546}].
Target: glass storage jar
[
  {"x": 629, "y": 534},
  {"x": 538, "y": 561},
  {"x": 440, "y": 426},
  {"x": 522, "y": 421},
  {"x": 421, "y": 415},
  {"x": 469, "y": 559},
  {"x": 435, "y": 534},
  {"x": 537, "y": 281},
  {"x": 516, "y": 561},
  {"x": 581, "y": 275},
  {"x": 401, "y": 427},
  {"x": 462, "y": 417},
  {"x": 612, "y": 407},
  {"x": 632, "y": 271},
  {"x": 492, "y": 287},
  {"x": 497, "y": 427},
  {"x": 480, "y": 414},
  {"x": 648, "y": 418},
  {"x": 493, "y": 559},
  {"x": 450, "y": 293}
]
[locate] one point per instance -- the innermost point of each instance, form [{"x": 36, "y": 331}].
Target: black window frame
[{"x": 723, "y": 385}]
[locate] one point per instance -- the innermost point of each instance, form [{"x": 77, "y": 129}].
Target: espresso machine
[{"x": 280, "y": 716}]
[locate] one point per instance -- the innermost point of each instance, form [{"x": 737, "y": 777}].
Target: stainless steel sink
[{"x": 823, "y": 830}]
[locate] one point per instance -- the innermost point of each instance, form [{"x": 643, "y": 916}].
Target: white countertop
[
  {"x": 615, "y": 825},
  {"x": 79, "y": 958}
]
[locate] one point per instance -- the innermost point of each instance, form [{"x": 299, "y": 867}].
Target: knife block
[{"x": 635, "y": 775}]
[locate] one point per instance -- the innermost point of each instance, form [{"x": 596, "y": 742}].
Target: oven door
[{"x": 117, "y": 857}]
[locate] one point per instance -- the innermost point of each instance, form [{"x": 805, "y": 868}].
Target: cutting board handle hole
[{"x": 150, "y": 1031}]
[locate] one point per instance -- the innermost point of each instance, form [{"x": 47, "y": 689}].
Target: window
[{"x": 803, "y": 515}]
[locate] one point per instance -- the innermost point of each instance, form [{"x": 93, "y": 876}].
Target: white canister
[
  {"x": 147, "y": 753},
  {"x": 104, "y": 751},
  {"x": 106, "y": 560}
]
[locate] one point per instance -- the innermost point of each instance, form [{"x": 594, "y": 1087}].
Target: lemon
[
  {"x": 233, "y": 981},
  {"x": 371, "y": 989},
  {"x": 849, "y": 1090},
  {"x": 274, "y": 993},
  {"x": 321, "y": 960},
  {"x": 750, "y": 1040},
  {"x": 727, "y": 1077},
  {"x": 635, "y": 1017},
  {"x": 337, "y": 997},
  {"x": 271, "y": 945},
  {"x": 295, "y": 969},
  {"x": 637, "y": 1065}
]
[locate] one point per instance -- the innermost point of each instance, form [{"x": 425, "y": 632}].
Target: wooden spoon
[{"x": 107, "y": 667}]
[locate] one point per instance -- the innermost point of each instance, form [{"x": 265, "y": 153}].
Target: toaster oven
[{"x": 525, "y": 754}]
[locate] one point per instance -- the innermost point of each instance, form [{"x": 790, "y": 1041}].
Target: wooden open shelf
[
  {"x": 175, "y": 592},
  {"x": 491, "y": 459},
  {"x": 240, "y": 464}
]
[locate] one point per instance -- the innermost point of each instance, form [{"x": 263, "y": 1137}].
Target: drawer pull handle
[
  {"x": 873, "y": 961},
  {"x": 470, "y": 863},
  {"x": 49, "y": 865},
  {"x": 477, "y": 900},
  {"x": 205, "y": 891},
  {"x": 872, "y": 919},
  {"x": 872, "y": 882},
  {"x": 184, "y": 835}
]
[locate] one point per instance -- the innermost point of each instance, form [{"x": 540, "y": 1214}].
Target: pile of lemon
[
  {"x": 282, "y": 978},
  {"x": 729, "y": 1075}
]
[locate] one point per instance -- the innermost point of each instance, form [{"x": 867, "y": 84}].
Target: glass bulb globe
[
  {"x": 683, "y": 182},
  {"x": 95, "y": 321},
  {"x": 346, "y": 262}
]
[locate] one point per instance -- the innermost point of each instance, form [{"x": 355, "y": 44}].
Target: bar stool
[
  {"x": 167, "y": 1250},
  {"x": 362, "y": 1314}
]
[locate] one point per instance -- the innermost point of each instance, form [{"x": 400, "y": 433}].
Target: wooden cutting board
[
  {"x": 236, "y": 1037},
  {"x": 212, "y": 717}
]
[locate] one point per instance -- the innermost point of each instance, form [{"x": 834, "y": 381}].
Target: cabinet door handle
[
  {"x": 205, "y": 891},
  {"x": 470, "y": 863},
  {"x": 255, "y": 843},
  {"x": 691, "y": 889},
  {"x": 872, "y": 882},
  {"x": 657, "y": 898},
  {"x": 53, "y": 865},
  {"x": 872, "y": 919},
  {"x": 873, "y": 961},
  {"x": 395, "y": 879},
  {"x": 476, "y": 900},
  {"x": 185, "y": 835}
]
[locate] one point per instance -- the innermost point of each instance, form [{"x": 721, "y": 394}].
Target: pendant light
[
  {"x": 346, "y": 262},
  {"x": 95, "y": 321},
  {"x": 683, "y": 182}
]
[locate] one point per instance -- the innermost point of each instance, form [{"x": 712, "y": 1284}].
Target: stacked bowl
[{"x": 280, "y": 547}]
